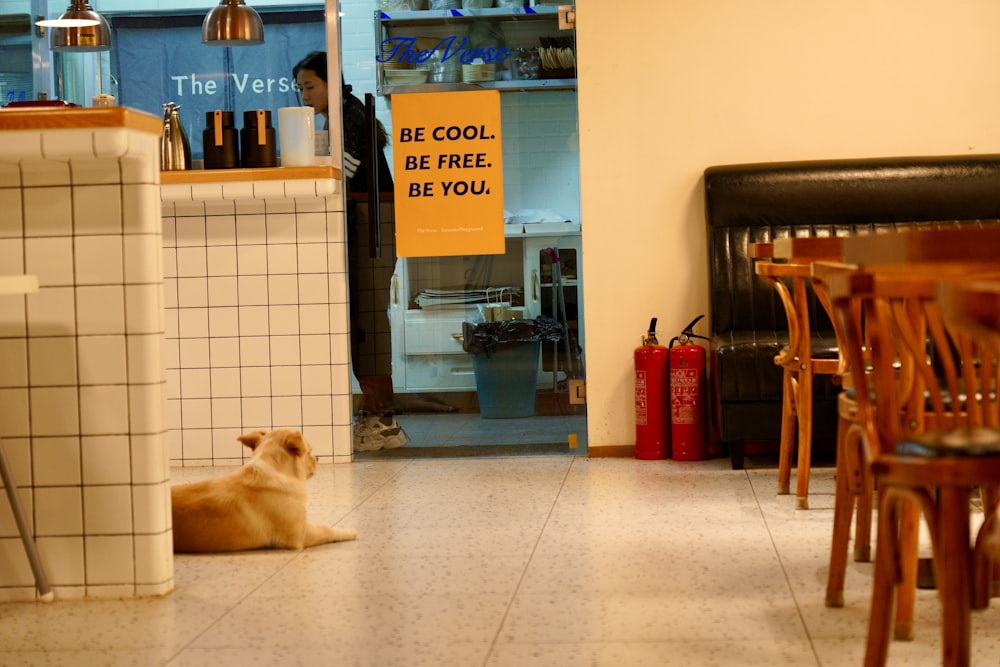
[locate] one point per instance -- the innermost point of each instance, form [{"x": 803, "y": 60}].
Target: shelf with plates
[
  {"x": 412, "y": 42},
  {"x": 502, "y": 86},
  {"x": 437, "y": 16}
]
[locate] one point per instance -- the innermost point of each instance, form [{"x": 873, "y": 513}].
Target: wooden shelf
[
  {"x": 75, "y": 118},
  {"x": 193, "y": 176},
  {"x": 519, "y": 86}
]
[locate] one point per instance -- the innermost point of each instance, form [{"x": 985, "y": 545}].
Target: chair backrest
[{"x": 914, "y": 372}]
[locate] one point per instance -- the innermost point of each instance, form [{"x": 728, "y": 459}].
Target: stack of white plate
[
  {"x": 480, "y": 72},
  {"x": 402, "y": 5},
  {"x": 406, "y": 77},
  {"x": 387, "y": 51}
]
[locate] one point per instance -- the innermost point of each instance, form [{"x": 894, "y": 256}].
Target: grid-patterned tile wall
[
  {"x": 256, "y": 317},
  {"x": 541, "y": 152},
  {"x": 81, "y": 373}
]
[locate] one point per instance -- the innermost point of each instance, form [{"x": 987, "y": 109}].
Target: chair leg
[
  {"x": 41, "y": 580},
  {"x": 843, "y": 508},
  {"x": 886, "y": 558},
  {"x": 804, "y": 408},
  {"x": 863, "y": 522},
  {"x": 908, "y": 547},
  {"x": 990, "y": 497},
  {"x": 787, "y": 443},
  {"x": 953, "y": 560},
  {"x": 986, "y": 553}
]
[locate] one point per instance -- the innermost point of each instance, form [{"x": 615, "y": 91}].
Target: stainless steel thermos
[{"x": 175, "y": 151}]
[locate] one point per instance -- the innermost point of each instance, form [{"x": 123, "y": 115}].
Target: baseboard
[{"x": 611, "y": 452}]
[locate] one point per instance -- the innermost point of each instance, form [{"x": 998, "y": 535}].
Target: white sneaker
[{"x": 371, "y": 433}]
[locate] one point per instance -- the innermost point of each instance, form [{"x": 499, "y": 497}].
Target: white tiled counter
[
  {"x": 81, "y": 371},
  {"x": 256, "y": 310}
]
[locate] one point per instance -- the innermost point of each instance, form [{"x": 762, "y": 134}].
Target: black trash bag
[{"x": 484, "y": 337}]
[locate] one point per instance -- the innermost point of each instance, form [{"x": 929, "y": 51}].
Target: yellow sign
[{"x": 448, "y": 173}]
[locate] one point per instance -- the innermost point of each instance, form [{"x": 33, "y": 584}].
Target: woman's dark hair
[{"x": 316, "y": 62}]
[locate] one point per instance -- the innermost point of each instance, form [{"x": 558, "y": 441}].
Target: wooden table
[
  {"x": 966, "y": 250},
  {"x": 812, "y": 248}
]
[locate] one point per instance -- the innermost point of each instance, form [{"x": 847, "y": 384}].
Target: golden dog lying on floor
[{"x": 263, "y": 504}]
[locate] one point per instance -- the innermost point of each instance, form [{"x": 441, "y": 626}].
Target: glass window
[{"x": 161, "y": 59}]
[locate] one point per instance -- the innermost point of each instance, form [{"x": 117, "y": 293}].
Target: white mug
[{"x": 295, "y": 136}]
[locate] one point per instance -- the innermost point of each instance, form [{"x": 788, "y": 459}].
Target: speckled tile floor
[{"x": 514, "y": 562}]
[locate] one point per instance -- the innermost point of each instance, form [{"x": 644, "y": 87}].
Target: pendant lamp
[
  {"x": 79, "y": 29},
  {"x": 232, "y": 23}
]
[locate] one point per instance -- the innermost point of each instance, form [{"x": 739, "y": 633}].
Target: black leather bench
[{"x": 748, "y": 203}]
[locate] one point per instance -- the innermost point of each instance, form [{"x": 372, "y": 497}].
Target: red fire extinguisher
[
  {"x": 688, "y": 416},
  {"x": 652, "y": 417}
]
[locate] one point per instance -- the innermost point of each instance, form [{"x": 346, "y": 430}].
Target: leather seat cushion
[
  {"x": 743, "y": 366},
  {"x": 761, "y": 420}
]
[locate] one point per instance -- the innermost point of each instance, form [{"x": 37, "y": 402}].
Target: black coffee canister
[
  {"x": 221, "y": 141},
  {"x": 258, "y": 147}
]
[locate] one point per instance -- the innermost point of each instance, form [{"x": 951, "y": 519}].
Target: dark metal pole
[{"x": 374, "y": 203}]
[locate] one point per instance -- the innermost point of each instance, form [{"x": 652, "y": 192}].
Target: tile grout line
[
  {"x": 294, "y": 556},
  {"x": 784, "y": 571},
  {"x": 531, "y": 557},
  {"x": 198, "y": 635},
  {"x": 408, "y": 464}
]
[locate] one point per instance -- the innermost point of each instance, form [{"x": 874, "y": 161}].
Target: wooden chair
[
  {"x": 854, "y": 491},
  {"x": 791, "y": 280},
  {"x": 853, "y": 482},
  {"x": 975, "y": 307},
  {"x": 930, "y": 428}
]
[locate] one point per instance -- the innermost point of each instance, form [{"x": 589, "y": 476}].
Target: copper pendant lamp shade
[
  {"x": 232, "y": 23},
  {"x": 80, "y": 29}
]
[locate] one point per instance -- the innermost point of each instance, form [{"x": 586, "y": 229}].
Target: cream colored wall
[{"x": 669, "y": 88}]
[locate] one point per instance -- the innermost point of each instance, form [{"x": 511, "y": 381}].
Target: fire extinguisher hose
[{"x": 687, "y": 333}]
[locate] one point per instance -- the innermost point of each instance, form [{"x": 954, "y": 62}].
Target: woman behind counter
[{"x": 371, "y": 348}]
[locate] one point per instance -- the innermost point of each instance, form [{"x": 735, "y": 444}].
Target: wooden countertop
[
  {"x": 55, "y": 118},
  {"x": 75, "y": 118},
  {"x": 193, "y": 176}
]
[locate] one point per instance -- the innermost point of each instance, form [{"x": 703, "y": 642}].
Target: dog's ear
[
  {"x": 294, "y": 444},
  {"x": 251, "y": 440}
]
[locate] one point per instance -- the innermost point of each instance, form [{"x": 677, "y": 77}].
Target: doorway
[{"x": 431, "y": 301}]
